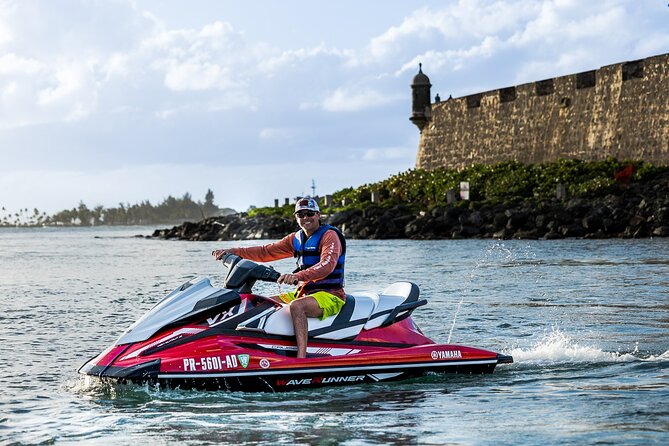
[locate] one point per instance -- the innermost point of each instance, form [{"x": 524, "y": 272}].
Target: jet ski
[{"x": 206, "y": 337}]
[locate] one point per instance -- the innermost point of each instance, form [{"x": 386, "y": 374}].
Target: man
[{"x": 320, "y": 251}]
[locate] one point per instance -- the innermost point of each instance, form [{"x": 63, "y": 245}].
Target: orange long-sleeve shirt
[{"x": 330, "y": 251}]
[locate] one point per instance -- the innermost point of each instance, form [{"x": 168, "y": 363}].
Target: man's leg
[{"x": 300, "y": 310}]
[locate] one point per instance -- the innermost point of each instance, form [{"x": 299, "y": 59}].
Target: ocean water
[{"x": 587, "y": 322}]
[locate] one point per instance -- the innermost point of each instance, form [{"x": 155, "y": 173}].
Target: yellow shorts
[{"x": 329, "y": 303}]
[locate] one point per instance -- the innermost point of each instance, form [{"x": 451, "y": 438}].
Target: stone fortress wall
[{"x": 619, "y": 110}]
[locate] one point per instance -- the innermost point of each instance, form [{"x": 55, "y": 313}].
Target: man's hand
[
  {"x": 290, "y": 279},
  {"x": 219, "y": 253}
]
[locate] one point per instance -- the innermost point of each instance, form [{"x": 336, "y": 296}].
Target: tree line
[{"x": 170, "y": 210}]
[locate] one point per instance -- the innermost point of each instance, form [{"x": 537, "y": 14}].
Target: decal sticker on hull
[
  {"x": 222, "y": 317},
  {"x": 319, "y": 380},
  {"x": 208, "y": 363},
  {"x": 264, "y": 363},
  {"x": 446, "y": 354},
  {"x": 382, "y": 376},
  {"x": 331, "y": 351},
  {"x": 173, "y": 337}
]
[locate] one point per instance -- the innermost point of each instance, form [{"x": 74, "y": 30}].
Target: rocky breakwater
[
  {"x": 632, "y": 211},
  {"x": 231, "y": 227}
]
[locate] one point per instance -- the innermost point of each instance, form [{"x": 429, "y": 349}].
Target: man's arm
[{"x": 265, "y": 253}]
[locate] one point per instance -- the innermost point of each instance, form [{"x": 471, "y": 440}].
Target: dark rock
[
  {"x": 342, "y": 217},
  {"x": 500, "y": 219},
  {"x": 541, "y": 221},
  {"x": 443, "y": 225},
  {"x": 553, "y": 235},
  {"x": 488, "y": 231},
  {"x": 577, "y": 207},
  {"x": 662, "y": 231},
  {"x": 438, "y": 211},
  {"x": 402, "y": 220},
  {"x": 531, "y": 234},
  {"x": 595, "y": 235},
  {"x": 572, "y": 230},
  {"x": 476, "y": 218},
  {"x": 593, "y": 221},
  {"x": 517, "y": 219},
  {"x": 504, "y": 234},
  {"x": 416, "y": 227},
  {"x": 386, "y": 229},
  {"x": 469, "y": 230}
]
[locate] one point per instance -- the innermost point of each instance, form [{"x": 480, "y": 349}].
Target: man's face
[{"x": 308, "y": 220}]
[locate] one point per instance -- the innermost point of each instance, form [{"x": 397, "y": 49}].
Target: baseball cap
[{"x": 308, "y": 204}]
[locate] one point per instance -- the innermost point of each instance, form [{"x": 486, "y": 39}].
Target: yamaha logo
[{"x": 448, "y": 354}]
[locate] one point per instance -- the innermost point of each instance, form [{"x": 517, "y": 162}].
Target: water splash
[
  {"x": 91, "y": 386},
  {"x": 83, "y": 384},
  {"x": 494, "y": 250},
  {"x": 558, "y": 347}
]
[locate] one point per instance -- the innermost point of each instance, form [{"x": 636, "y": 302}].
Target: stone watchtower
[{"x": 420, "y": 105}]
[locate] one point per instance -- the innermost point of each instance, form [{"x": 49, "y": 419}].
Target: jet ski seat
[
  {"x": 344, "y": 325},
  {"x": 395, "y": 303},
  {"x": 364, "y": 310}
]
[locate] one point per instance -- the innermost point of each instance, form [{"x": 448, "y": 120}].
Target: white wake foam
[
  {"x": 558, "y": 347},
  {"x": 663, "y": 357}
]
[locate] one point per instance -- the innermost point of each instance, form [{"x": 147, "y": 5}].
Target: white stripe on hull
[{"x": 326, "y": 369}]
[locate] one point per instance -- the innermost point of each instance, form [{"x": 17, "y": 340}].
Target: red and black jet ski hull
[{"x": 251, "y": 363}]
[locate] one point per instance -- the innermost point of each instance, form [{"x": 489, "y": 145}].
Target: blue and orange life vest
[{"x": 308, "y": 253}]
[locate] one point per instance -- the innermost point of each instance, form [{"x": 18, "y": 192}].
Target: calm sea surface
[{"x": 587, "y": 322}]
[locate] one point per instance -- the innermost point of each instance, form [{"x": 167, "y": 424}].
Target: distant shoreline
[{"x": 637, "y": 210}]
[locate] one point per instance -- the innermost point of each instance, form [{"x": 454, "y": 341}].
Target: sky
[{"x": 121, "y": 101}]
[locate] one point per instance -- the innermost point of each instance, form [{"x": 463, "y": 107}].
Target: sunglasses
[{"x": 302, "y": 214}]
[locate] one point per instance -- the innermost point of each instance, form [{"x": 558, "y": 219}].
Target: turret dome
[{"x": 421, "y": 78}]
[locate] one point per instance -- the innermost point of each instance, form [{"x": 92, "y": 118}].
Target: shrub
[{"x": 509, "y": 180}]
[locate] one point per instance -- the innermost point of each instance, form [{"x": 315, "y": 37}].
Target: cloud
[
  {"x": 277, "y": 60},
  {"x": 70, "y": 84},
  {"x": 389, "y": 153},
  {"x": 196, "y": 75},
  {"x": 451, "y": 29},
  {"x": 656, "y": 43},
  {"x": 45, "y": 78},
  {"x": 36, "y": 93},
  {"x": 6, "y": 32},
  {"x": 196, "y": 60},
  {"x": 565, "y": 23},
  {"x": 13, "y": 65},
  {"x": 67, "y": 82},
  {"x": 277, "y": 134},
  {"x": 469, "y": 30},
  {"x": 454, "y": 60},
  {"x": 116, "y": 65},
  {"x": 349, "y": 100},
  {"x": 480, "y": 45}
]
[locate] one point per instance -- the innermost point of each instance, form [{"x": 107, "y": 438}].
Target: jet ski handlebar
[{"x": 243, "y": 273}]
